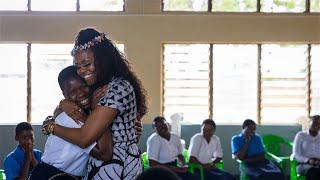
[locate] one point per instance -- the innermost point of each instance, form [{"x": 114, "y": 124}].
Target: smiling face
[
  {"x": 161, "y": 126},
  {"x": 84, "y": 61},
  {"x": 75, "y": 89}
]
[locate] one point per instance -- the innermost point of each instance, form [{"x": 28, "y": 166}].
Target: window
[
  {"x": 284, "y": 83},
  {"x": 270, "y": 6},
  {"x": 47, "y": 60},
  {"x": 13, "y": 80},
  {"x": 56, "y": 5},
  {"x": 315, "y": 5},
  {"x": 185, "y": 5},
  {"x": 234, "y": 83},
  {"x": 269, "y": 83},
  {"x": 101, "y": 5},
  {"x": 16, "y": 5},
  {"x": 283, "y": 5},
  {"x": 315, "y": 79},
  {"x": 186, "y": 81},
  {"x": 234, "y": 5}
]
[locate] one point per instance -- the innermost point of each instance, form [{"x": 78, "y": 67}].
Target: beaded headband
[{"x": 89, "y": 44}]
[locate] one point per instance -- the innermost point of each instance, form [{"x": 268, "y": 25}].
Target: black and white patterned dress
[{"x": 126, "y": 163}]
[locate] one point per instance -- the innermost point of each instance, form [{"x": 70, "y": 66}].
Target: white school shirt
[
  {"x": 163, "y": 151},
  {"x": 204, "y": 151},
  {"x": 63, "y": 155},
  {"x": 306, "y": 146}
]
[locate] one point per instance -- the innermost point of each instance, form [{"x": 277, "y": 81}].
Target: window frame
[
  {"x": 210, "y": 2},
  {"x": 259, "y": 78}
]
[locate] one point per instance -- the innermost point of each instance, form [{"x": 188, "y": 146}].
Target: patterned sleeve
[{"x": 118, "y": 95}]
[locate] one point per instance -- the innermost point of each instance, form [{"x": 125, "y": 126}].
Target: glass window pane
[
  {"x": 101, "y": 5},
  {"x": 234, "y": 83},
  {"x": 186, "y": 81},
  {"x": 56, "y": 5},
  {"x": 314, "y": 5},
  {"x": 18, "y": 5},
  {"x": 13, "y": 78},
  {"x": 283, "y": 5},
  {"x": 284, "y": 84},
  {"x": 47, "y": 61},
  {"x": 185, "y": 5},
  {"x": 315, "y": 79},
  {"x": 234, "y": 5}
]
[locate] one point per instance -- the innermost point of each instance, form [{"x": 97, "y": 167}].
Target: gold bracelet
[{"x": 51, "y": 127}]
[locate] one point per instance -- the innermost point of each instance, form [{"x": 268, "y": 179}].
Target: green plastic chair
[
  {"x": 191, "y": 166},
  {"x": 243, "y": 175},
  {"x": 145, "y": 160},
  {"x": 185, "y": 154},
  {"x": 2, "y": 175},
  {"x": 293, "y": 170},
  {"x": 272, "y": 144}
]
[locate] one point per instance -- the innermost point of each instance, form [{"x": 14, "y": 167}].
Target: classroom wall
[
  {"x": 225, "y": 132},
  {"x": 143, "y": 29}
]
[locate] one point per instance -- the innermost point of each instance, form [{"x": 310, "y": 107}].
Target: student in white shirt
[
  {"x": 164, "y": 149},
  {"x": 60, "y": 156},
  {"x": 205, "y": 149},
  {"x": 306, "y": 150}
]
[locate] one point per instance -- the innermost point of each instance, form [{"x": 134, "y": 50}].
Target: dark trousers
[
  {"x": 313, "y": 173},
  {"x": 188, "y": 176},
  {"x": 217, "y": 174},
  {"x": 45, "y": 171},
  {"x": 263, "y": 171}
]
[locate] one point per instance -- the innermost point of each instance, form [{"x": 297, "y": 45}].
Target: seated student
[
  {"x": 306, "y": 150},
  {"x": 247, "y": 147},
  {"x": 21, "y": 161},
  {"x": 205, "y": 149},
  {"x": 164, "y": 149},
  {"x": 61, "y": 157}
]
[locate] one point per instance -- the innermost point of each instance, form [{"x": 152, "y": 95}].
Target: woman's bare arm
[
  {"x": 100, "y": 118},
  {"x": 103, "y": 149}
]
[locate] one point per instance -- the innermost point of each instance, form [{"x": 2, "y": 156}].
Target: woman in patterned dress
[{"x": 100, "y": 63}]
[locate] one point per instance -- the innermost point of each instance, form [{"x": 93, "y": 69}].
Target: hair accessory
[{"x": 93, "y": 42}]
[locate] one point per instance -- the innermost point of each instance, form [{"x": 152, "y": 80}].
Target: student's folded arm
[
  {"x": 237, "y": 151},
  {"x": 193, "y": 159},
  {"x": 95, "y": 126},
  {"x": 255, "y": 158}
]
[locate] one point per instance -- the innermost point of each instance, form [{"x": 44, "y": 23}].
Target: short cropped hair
[
  {"x": 24, "y": 126},
  {"x": 314, "y": 118},
  {"x": 247, "y": 122},
  {"x": 65, "y": 74},
  {"x": 157, "y": 118},
  {"x": 210, "y": 122}
]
